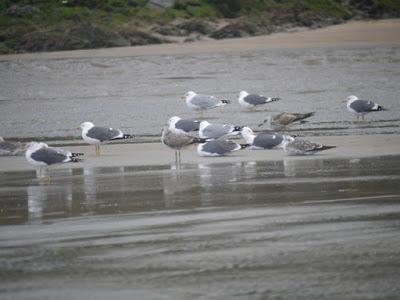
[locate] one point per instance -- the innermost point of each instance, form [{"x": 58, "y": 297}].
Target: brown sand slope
[{"x": 350, "y": 34}]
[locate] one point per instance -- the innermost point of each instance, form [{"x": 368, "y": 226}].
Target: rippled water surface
[
  {"x": 301, "y": 229},
  {"x": 51, "y": 98}
]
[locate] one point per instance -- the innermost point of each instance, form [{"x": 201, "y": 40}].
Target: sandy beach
[
  {"x": 355, "y": 33},
  {"x": 256, "y": 224},
  {"x": 383, "y": 32}
]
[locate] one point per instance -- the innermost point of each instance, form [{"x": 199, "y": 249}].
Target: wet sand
[
  {"x": 349, "y": 34},
  {"x": 320, "y": 228},
  {"x": 150, "y": 154},
  {"x": 47, "y": 97}
]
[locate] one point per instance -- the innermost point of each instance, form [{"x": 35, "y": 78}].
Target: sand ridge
[{"x": 152, "y": 154}]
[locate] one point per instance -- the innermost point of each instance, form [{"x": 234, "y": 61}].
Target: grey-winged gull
[
  {"x": 176, "y": 139},
  {"x": 264, "y": 140},
  {"x": 214, "y": 131},
  {"x": 41, "y": 155},
  {"x": 9, "y": 148},
  {"x": 95, "y": 135},
  {"x": 252, "y": 101},
  {"x": 282, "y": 120},
  {"x": 202, "y": 102},
  {"x": 303, "y": 147},
  {"x": 361, "y": 107},
  {"x": 219, "y": 147},
  {"x": 184, "y": 125}
]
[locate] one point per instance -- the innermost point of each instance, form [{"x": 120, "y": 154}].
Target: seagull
[
  {"x": 264, "y": 140},
  {"x": 10, "y": 148},
  {"x": 361, "y": 107},
  {"x": 303, "y": 147},
  {"x": 184, "y": 125},
  {"x": 251, "y": 101},
  {"x": 41, "y": 155},
  {"x": 215, "y": 131},
  {"x": 95, "y": 135},
  {"x": 219, "y": 147},
  {"x": 280, "y": 121},
  {"x": 202, "y": 102},
  {"x": 176, "y": 139}
]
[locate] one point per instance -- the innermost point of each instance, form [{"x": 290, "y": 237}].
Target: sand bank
[
  {"x": 357, "y": 33},
  {"x": 151, "y": 154}
]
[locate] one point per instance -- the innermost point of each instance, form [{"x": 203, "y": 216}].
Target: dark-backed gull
[
  {"x": 95, "y": 135},
  {"x": 201, "y": 103},
  {"x": 252, "y": 101},
  {"x": 214, "y": 131},
  {"x": 184, "y": 125},
  {"x": 361, "y": 107},
  {"x": 41, "y": 155},
  {"x": 8, "y": 148},
  {"x": 219, "y": 147},
  {"x": 264, "y": 140}
]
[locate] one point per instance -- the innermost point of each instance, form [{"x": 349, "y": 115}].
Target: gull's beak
[{"x": 24, "y": 147}]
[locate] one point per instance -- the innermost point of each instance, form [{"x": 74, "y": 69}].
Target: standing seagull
[
  {"x": 264, "y": 140},
  {"x": 280, "y": 121},
  {"x": 361, "y": 107},
  {"x": 219, "y": 147},
  {"x": 10, "y": 148},
  {"x": 251, "y": 101},
  {"x": 303, "y": 147},
  {"x": 177, "y": 140},
  {"x": 95, "y": 135},
  {"x": 184, "y": 125},
  {"x": 202, "y": 102},
  {"x": 41, "y": 155},
  {"x": 215, "y": 131}
]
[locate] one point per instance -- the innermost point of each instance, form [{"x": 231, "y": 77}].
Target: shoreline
[
  {"x": 156, "y": 154},
  {"x": 353, "y": 33}
]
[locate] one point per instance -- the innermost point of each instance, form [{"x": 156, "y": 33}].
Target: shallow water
[
  {"x": 302, "y": 229},
  {"x": 50, "y": 98}
]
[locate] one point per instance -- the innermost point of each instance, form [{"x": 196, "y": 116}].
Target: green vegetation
[{"x": 46, "y": 25}]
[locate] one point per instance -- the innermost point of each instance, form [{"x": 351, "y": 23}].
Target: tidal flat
[{"x": 254, "y": 225}]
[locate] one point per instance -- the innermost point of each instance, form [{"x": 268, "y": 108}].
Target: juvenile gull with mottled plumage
[
  {"x": 282, "y": 120},
  {"x": 176, "y": 139},
  {"x": 303, "y": 147}
]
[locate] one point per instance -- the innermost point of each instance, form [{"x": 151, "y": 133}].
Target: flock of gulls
[{"x": 212, "y": 139}]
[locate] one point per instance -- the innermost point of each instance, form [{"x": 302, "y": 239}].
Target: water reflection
[
  {"x": 118, "y": 190},
  {"x": 48, "y": 200}
]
